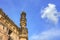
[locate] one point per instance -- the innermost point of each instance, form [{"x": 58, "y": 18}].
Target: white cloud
[
  {"x": 46, "y": 35},
  {"x": 50, "y": 12}
]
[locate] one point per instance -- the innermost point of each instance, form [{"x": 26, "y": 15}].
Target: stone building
[{"x": 10, "y": 31}]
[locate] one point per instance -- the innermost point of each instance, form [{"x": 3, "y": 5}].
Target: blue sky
[{"x": 35, "y": 23}]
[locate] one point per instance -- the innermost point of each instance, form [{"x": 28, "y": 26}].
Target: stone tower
[
  {"x": 10, "y": 31},
  {"x": 24, "y": 31}
]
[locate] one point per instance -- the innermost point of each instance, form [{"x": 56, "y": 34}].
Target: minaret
[
  {"x": 23, "y": 20},
  {"x": 24, "y": 31}
]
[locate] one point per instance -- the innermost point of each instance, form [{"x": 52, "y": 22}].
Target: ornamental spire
[{"x": 23, "y": 20}]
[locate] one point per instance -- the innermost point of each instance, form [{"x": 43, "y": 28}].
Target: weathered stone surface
[{"x": 10, "y": 31}]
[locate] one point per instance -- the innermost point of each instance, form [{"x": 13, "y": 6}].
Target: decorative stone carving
[{"x": 12, "y": 30}]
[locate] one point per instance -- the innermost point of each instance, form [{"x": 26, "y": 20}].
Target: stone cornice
[{"x": 8, "y": 22}]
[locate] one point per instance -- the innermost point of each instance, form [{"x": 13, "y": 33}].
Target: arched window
[{"x": 9, "y": 32}]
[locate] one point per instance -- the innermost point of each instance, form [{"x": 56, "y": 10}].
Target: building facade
[{"x": 10, "y": 31}]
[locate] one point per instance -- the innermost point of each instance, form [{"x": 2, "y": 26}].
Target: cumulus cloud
[
  {"x": 50, "y": 12},
  {"x": 51, "y": 34}
]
